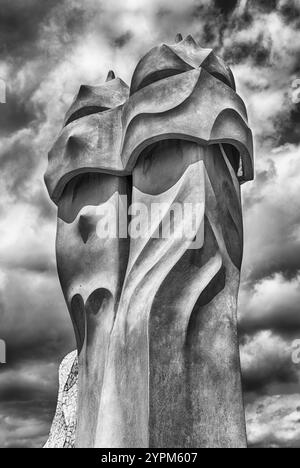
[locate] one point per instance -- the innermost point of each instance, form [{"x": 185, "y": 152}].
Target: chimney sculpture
[{"x": 149, "y": 248}]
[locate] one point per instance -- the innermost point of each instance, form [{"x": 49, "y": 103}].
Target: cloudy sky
[{"x": 50, "y": 47}]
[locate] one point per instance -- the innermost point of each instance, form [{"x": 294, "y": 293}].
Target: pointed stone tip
[
  {"x": 111, "y": 75},
  {"x": 190, "y": 40},
  {"x": 178, "y": 38}
]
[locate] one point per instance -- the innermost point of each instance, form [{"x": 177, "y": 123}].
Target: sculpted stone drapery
[{"x": 155, "y": 316}]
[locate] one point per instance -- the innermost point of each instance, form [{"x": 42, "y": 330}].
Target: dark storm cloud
[
  {"x": 20, "y": 24},
  {"x": 38, "y": 334},
  {"x": 272, "y": 218},
  {"x": 225, "y": 20},
  {"x": 226, "y": 7},
  {"x": 35, "y": 322},
  {"x": 268, "y": 325},
  {"x": 122, "y": 40},
  {"x": 267, "y": 363},
  {"x": 16, "y": 114},
  {"x": 266, "y": 5},
  {"x": 258, "y": 378},
  {"x": 258, "y": 51},
  {"x": 209, "y": 35},
  {"x": 41, "y": 408},
  {"x": 283, "y": 318},
  {"x": 290, "y": 10},
  {"x": 15, "y": 385},
  {"x": 281, "y": 258},
  {"x": 24, "y": 424},
  {"x": 222, "y": 22},
  {"x": 51, "y": 346},
  {"x": 287, "y": 124}
]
